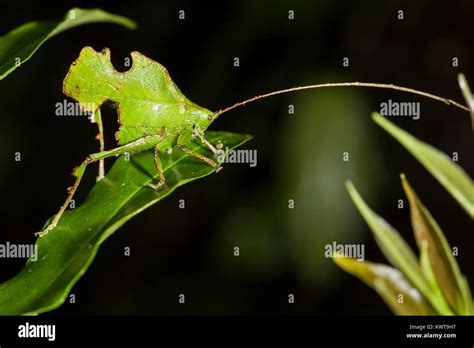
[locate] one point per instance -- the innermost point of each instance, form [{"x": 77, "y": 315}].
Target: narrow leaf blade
[
  {"x": 438, "y": 296},
  {"x": 439, "y": 253},
  {"x": 395, "y": 249},
  {"x": 453, "y": 178},
  {"x": 67, "y": 251},
  {"x": 17, "y": 46},
  {"x": 466, "y": 92},
  {"x": 397, "y": 292}
]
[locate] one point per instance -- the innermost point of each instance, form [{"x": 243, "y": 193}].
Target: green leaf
[
  {"x": 394, "y": 247},
  {"x": 439, "y": 253},
  {"x": 397, "y": 292},
  {"x": 66, "y": 252},
  {"x": 466, "y": 92},
  {"x": 449, "y": 174},
  {"x": 17, "y": 46},
  {"x": 430, "y": 276}
]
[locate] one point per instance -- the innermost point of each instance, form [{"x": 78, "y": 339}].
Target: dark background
[{"x": 190, "y": 251}]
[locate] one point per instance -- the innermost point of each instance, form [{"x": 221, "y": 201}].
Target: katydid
[{"x": 153, "y": 113}]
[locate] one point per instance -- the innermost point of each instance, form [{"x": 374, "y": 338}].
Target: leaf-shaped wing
[{"x": 148, "y": 100}]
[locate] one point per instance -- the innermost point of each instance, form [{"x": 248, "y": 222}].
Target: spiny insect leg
[
  {"x": 200, "y": 134},
  {"x": 159, "y": 168},
  {"x": 78, "y": 172},
  {"x": 209, "y": 145},
  {"x": 100, "y": 136},
  {"x": 201, "y": 157},
  {"x": 141, "y": 144}
]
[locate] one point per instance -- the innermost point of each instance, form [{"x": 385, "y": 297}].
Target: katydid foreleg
[
  {"x": 197, "y": 132},
  {"x": 139, "y": 145}
]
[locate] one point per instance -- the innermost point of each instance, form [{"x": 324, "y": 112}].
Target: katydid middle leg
[
  {"x": 141, "y": 144},
  {"x": 159, "y": 169},
  {"x": 198, "y": 133},
  {"x": 190, "y": 152}
]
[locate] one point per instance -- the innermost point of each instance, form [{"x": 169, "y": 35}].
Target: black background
[{"x": 175, "y": 251}]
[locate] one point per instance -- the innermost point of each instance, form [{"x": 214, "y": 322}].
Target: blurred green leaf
[
  {"x": 430, "y": 276},
  {"x": 397, "y": 292},
  {"x": 395, "y": 249},
  {"x": 441, "y": 260},
  {"x": 466, "y": 92},
  {"x": 66, "y": 252},
  {"x": 449, "y": 174},
  {"x": 17, "y": 46}
]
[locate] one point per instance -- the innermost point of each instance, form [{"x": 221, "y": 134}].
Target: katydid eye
[{"x": 209, "y": 117}]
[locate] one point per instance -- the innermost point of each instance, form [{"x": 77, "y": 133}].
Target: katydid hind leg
[
  {"x": 77, "y": 172},
  {"x": 141, "y": 144}
]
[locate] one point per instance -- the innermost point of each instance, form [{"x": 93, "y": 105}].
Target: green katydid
[{"x": 153, "y": 113}]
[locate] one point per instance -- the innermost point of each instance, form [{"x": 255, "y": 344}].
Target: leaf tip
[
  {"x": 462, "y": 81},
  {"x": 376, "y": 116},
  {"x": 405, "y": 184}
]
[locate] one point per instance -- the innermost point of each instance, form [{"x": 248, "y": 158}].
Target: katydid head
[{"x": 202, "y": 118}]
